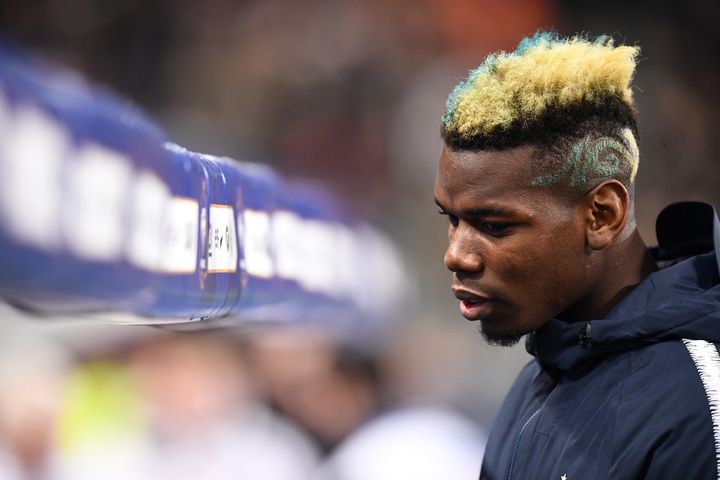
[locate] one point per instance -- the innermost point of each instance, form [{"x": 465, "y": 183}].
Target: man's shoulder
[
  {"x": 668, "y": 409},
  {"x": 672, "y": 358},
  {"x": 676, "y": 378}
]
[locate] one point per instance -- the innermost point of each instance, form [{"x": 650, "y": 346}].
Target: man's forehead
[{"x": 486, "y": 173}]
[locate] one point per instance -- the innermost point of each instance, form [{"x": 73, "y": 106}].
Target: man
[{"x": 537, "y": 181}]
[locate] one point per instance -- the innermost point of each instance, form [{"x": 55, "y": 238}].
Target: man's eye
[{"x": 494, "y": 229}]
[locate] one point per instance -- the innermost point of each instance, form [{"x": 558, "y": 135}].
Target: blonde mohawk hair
[{"x": 547, "y": 87}]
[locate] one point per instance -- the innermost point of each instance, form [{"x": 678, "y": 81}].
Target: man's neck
[{"x": 621, "y": 269}]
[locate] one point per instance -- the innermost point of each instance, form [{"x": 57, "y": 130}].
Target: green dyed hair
[{"x": 571, "y": 97}]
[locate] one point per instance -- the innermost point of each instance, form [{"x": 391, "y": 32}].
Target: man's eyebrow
[{"x": 482, "y": 212}]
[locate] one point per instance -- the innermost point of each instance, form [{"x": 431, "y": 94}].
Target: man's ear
[{"x": 607, "y": 211}]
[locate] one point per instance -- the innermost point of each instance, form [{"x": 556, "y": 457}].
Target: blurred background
[{"x": 349, "y": 93}]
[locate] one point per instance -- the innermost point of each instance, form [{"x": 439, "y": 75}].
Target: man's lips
[{"x": 473, "y": 306}]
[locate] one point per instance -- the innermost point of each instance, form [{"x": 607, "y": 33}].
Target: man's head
[{"x": 537, "y": 179}]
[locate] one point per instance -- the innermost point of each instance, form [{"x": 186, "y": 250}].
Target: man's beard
[{"x": 507, "y": 339}]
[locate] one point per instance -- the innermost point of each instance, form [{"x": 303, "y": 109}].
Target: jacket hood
[{"x": 678, "y": 302}]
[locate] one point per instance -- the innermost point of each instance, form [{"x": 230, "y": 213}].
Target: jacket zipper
[
  {"x": 517, "y": 441},
  {"x": 516, "y": 447}
]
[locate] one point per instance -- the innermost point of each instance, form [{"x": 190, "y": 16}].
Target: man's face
[{"x": 517, "y": 252}]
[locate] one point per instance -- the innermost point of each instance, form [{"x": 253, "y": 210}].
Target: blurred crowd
[
  {"x": 347, "y": 92},
  {"x": 275, "y": 404}
]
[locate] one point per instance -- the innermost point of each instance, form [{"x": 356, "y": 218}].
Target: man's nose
[{"x": 462, "y": 254}]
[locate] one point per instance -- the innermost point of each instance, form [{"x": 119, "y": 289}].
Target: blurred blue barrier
[{"x": 100, "y": 213}]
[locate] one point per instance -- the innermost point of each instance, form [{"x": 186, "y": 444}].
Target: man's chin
[{"x": 502, "y": 339}]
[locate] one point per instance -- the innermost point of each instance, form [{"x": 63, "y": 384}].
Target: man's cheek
[{"x": 519, "y": 267}]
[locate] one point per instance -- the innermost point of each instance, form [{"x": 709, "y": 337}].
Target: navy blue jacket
[{"x": 634, "y": 395}]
